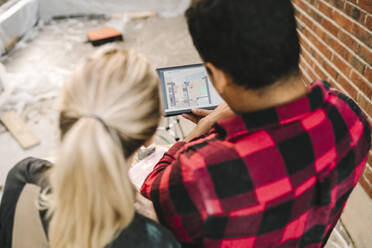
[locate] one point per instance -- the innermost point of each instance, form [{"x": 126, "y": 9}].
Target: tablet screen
[{"x": 187, "y": 87}]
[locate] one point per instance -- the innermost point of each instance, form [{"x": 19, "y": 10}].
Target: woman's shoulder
[{"x": 144, "y": 232}]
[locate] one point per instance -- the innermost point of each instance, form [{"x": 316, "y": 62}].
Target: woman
[{"x": 110, "y": 107}]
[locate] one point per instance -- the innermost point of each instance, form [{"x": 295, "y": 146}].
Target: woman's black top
[{"x": 142, "y": 232}]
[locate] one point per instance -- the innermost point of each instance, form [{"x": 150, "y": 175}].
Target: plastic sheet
[
  {"x": 46, "y": 63},
  {"x": 165, "y": 8},
  {"x": 142, "y": 169},
  {"x": 16, "y": 21},
  {"x": 2, "y": 77},
  {"x": 45, "y": 56}
]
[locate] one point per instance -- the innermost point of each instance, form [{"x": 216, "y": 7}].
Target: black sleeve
[
  {"x": 30, "y": 171},
  {"x": 145, "y": 233}
]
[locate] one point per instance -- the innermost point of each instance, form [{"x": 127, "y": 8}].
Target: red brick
[
  {"x": 318, "y": 70},
  {"x": 336, "y": 86},
  {"x": 365, "y": 104},
  {"x": 300, "y": 28},
  {"x": 309, "y": 69},
  {"x": 362, "y": 84},
  {"x": 368, "y": 74},
  {"x": 325, "y": 9},
  {"x": 316, "y": 41},
  {"x": 300, "y": 4},
  {"x": 343, "y": 21},
  {"x": 312, "y": 52},
  {"x": 369, "y": 22},
  {"x": 341, "y": 65},
  {"x": 362, "y": 35},
  {"x": 330, "y": 27},
  {"x": 321, "y": 34},
  {"x": 309, "y": 73},
  {"x": 357, "y": 64},
  {"x": 364, "y": 53},
  {"x": 355, "y": 13},
  {"x": 307, "y": 58},
  {"x": 312, "y": 75},
  {"x": 305, "y": 75},
  {"x": 308, "y": 22},
  {"x": 316, "y": 16},
  {"x": 346, "y": 85},
  {"x": 340, "y": 49},
  {"x": 303, "y": 43},
  {"x": 319, "y": 57},
  {"x": 338, "y": 3},
  {"x": 331, "y": 71},
  {"x": 346, "y": 39},
  {"x": 366, "y": 5}
]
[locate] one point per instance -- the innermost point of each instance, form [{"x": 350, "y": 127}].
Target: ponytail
[{"x": 93, "y": 198}]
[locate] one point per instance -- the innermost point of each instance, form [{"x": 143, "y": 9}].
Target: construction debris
[
  {"x": 10, "y": 119},
  {"x": 19, "y": 129},
  {"x": 135, "y": 15},
  {"x": 104, "y": 35}
]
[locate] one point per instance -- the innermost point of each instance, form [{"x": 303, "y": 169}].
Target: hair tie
[{"x": 94, "y": 116}]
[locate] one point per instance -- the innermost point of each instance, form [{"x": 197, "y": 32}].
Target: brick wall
[{"x": 336, "y": 39}]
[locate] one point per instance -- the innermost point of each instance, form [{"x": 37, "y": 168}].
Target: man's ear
[{"x": 218, "y": 77}]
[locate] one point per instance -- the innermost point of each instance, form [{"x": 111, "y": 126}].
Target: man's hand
[
  {"x": 206, "y": 118},
  {"x": 197, "y": 115}
]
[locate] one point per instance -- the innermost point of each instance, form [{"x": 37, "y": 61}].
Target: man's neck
[{"x": 281, "y": 92}]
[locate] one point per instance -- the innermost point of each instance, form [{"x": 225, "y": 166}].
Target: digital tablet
[{"x": 185, "y": 88}]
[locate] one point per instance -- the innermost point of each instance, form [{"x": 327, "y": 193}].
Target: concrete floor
[
  {"x": 41, "y": 63},
  {"x": 44, "y": 59}
]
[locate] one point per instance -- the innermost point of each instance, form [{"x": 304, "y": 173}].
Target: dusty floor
[{"x": 41, "y": 62}]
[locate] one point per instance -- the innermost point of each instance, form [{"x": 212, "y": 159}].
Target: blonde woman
[{"x": 110, "y": 107}]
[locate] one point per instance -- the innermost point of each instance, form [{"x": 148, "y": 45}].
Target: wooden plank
[
  {"x": 11, "y": 44},
  {"x": 135, "y": 15},
  {"x": 18, "y": 128}
]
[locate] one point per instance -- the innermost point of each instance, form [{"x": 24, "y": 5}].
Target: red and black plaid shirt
[{"x": 274, "y": 178}]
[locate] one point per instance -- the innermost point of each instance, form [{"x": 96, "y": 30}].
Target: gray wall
[{"x": 166, "y": 8}]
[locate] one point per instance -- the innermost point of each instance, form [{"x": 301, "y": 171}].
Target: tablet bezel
[{"x": 163, "y": 90}]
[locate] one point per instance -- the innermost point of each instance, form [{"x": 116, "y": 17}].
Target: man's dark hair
[{"x": 254, "y": 41}]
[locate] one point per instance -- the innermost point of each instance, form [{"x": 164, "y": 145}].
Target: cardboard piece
[{"x": 18, "y": 128}]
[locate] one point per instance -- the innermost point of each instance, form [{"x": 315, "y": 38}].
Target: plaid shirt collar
[{"x": 280, "y": 115}]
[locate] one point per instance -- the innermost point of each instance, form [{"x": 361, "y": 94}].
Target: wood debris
[{"x": 18, "y": 128}]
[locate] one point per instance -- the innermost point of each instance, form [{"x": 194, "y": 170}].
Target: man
[{"x": 278, "y": 171}]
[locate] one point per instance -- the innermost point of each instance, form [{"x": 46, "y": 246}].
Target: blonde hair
[{"x": 110, "y": 107}]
